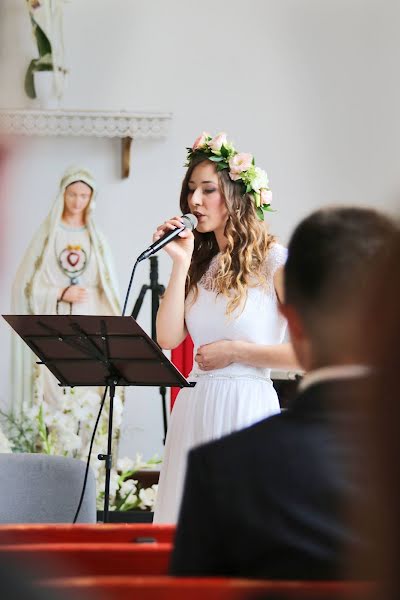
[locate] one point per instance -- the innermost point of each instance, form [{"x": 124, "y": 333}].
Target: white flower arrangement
[
  {"x": 5, "y": 446},
  {"x": 126, "y": 492},
  {"x": 67, "y": 432}
]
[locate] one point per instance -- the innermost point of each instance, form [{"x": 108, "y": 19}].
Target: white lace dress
[{"x": 223, "y": 400}]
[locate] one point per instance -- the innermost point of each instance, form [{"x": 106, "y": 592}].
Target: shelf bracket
[{"x": 126, "y": 143}]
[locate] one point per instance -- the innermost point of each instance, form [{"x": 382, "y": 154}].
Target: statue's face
[{"x": 77, "y": 196}]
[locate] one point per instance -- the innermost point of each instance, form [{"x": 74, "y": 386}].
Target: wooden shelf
[{"x": 122, "y": 124}]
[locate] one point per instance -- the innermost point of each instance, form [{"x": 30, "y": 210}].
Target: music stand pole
[{"x": 108, "y": 457}]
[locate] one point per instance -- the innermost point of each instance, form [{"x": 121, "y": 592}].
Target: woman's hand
[
  {"x": 181, "y": 248},
  {"x": 224, "y": 352},
  {"x": 216, "y": 355},
  {"x": 75, "y": 293}
]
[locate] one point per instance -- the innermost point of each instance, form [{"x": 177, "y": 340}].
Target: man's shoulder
[{"x": 262, "y": 434}]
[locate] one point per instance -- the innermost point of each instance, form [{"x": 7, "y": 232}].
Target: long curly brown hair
[{"x": 242, "y": 262}]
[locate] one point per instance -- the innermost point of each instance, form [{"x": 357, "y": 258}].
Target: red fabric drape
[{"x": 182, "y": 357}]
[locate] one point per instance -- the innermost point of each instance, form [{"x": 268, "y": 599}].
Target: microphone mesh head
[{"x": 190, "y": 221}]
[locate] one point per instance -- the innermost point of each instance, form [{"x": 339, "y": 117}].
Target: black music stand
[{"x": 97, "y": 351}]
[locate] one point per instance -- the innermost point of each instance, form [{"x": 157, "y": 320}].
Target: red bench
[
  {"x": 74, "y": 560},
  {"x": 100, "y": 533},
  {"x": 174, "y": 588}
]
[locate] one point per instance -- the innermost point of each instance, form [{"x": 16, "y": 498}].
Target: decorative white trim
[{"x": 137, "y": 125}]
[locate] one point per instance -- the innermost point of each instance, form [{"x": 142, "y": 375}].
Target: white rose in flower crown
[
  {"x": 217, "y": 142},
  {"x": 239, "y": 163},
  {"x": 260, "y": 180},
  {"x": 201, "y": 141},
  {"x": 266, "y": 196}
]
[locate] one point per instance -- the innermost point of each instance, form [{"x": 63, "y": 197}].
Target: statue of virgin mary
[{"x": 67, "y": 269}]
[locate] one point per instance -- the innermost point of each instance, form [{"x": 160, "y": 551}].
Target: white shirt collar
[{"x": 333, "y": 372}]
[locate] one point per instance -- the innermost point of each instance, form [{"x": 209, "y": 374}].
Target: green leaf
[
  {"x": 37, "y": 64},
  {"x": 29, "y": 84},
  {"x": 43, "y": 42},
  {"x": 224, "y": 151},
  {"x": 221, "y": 166},
  {"x": 44, "y": 61},
  {"x": 43, "y": 433},
  {"x": 260, "y": 213},
  {"x": 248, "y": 188},
  {"x": 215, "y": 158},
  {"x": 267, "y": 208}
]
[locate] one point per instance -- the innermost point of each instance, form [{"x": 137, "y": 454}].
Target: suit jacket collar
[
  {"x": 335, "y": 396},
  {"x": 333, "y": 372}
]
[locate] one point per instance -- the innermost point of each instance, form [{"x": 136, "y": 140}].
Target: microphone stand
[{"x": 157, "y": 290}]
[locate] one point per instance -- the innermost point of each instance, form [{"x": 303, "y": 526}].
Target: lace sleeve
[
  {"x": 208, "y": 278},
  {"x": 276, "y": 258}
]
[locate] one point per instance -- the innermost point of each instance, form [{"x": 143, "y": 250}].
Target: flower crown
[{"x": 241, "y": 167}]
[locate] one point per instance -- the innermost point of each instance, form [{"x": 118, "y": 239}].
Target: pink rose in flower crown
[
  {"x": 239, "y": 163},
  {"x": 201, "y": 141},
  {"x": 217, "y": 142},
  {"x": 266, "y": 196}
]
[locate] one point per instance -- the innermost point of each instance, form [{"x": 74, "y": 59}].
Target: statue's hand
[{"x": 75, "y": 293}]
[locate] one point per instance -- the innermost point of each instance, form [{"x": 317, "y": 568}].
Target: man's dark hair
[{"x": 332, "y": 254}]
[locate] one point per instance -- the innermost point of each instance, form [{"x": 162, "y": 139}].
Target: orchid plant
[{"x": 46, "y": 22}]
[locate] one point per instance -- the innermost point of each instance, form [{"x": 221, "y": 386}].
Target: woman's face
[
  {"x": 76, "y": 198},
  {"x": 205, "y": 199}
]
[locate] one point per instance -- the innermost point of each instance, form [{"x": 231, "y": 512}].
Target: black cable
[
  {"x": 129, "y": 286},
  {"x": 89, "y": 455}
]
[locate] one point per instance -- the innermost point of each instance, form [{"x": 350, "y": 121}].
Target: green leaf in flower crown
[
  {"x": 248, "y": 188},
  {"x": 224, "y": 151},
  {"x": 215, "y": 158},
  {"x": 267, "y": 208},
  {"x": 257, "y": 198},
  {"x": 221, "y": 166},
  {"x": 260, "y": 213}
]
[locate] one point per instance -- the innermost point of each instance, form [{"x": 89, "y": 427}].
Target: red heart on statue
[{"x": 73, "y": 258}]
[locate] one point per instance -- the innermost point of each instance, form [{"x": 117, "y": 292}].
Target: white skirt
[{"x": 216, "y": 406}]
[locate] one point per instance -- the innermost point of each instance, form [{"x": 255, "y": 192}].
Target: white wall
[{"x": 310, "y": 87}]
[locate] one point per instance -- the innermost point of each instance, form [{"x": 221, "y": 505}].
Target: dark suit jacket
[{"x": 273, "y": 500}]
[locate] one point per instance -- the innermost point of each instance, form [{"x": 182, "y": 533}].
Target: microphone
[{"x": 189, "y": 222}]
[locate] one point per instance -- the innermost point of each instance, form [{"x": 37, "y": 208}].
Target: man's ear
[{"x": 295, "y": 323}]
